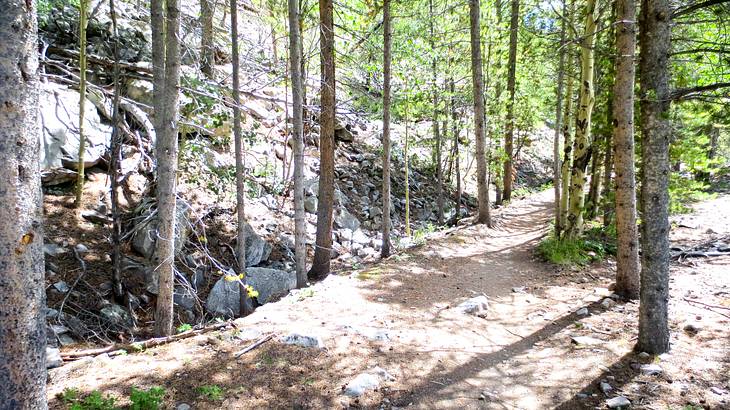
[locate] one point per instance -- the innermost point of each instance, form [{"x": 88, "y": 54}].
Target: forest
[{"x": 315, "y": 204}]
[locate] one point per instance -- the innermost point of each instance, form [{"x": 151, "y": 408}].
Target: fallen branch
[
  {"x": 709, "y": 307},
  {"x": 254, "y": 345},
  {"x": 145, "y": 344}
]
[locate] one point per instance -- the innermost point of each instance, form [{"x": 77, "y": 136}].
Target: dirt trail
[{"x": 519, "y": 356}]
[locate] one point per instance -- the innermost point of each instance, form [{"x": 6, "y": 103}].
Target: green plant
[
  {"x": 211, "y": 392},
  {"x": 184, "y": 327},
  {"x": 94, "y": 401},
  {"x": 595, "y": 245},
  {"x": 146, "y": 399}
]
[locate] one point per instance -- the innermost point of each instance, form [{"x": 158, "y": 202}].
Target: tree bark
[
  {"x": 406, "y": 166},
  {"x": 483, "y": 216},
  {"x": 595, "y": 184},
  {"x": 300, "y": 232},
  {"x": 435, "y": 123},
  {"x": 22, "y": 292},
  {"x": 510, "y": 123},
  {"x": 166, "y": 151},
  {"x": 457, "y": 162},
  {"x": 582, "y": 143},
  {"x": 654, "y": 42},
  {"x": 246, "y": 305},
  {"x": 567, "y": 163},
  {"x": 207, "y": 45},
  {"x": 323, "y": 252},
  {"x": 627, "y": 255},
  {"x": 83, "y": 17},
  {"x": 558, "y": 120},
  {"x": 387, "y": 44}
]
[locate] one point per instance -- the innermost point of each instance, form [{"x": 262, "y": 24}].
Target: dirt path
[{"x": 399, "y": 315}]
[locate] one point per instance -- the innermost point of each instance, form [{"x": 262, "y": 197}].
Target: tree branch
[
  {"x": 696, "y": 6},
  {"x": 684, "y": 93}
]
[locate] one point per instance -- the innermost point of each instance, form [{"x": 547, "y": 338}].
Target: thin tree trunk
[
  {"x": 323, "y": 252},
  {"x": 166, "y": 172},
  {"x": 483, "y": 216},
  {"x": 559, "y": 119},
  {"x": 654, "y": 42},
  {"x": 582, "y": 145},
  {"x": 436, "y": 133},
  {"x": 246, "y": 306},
  {"x": 510, "y": 124},
  {"x": 567, "y": 163},
  {"x": 300, "y": 232},
  {"x": 595, "y": 185},
  {"x": 22, "y": 292},
  {"x": 457, "y": 162},
  {"x": 627, "y": 255},
  {"x": 606, "y": 203},
  {"x": 114, "y": 167},
  {"x": 387, "y": 40},
  {"x": 207, "y": 47},
  {"x": 83, "y": 17},
  {"x": 405, "y": 160}
]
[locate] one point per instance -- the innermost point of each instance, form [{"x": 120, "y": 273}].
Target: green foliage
[
  {"x": 93, "y": 401},
  {"x": 420, "y": 234},
  {"x": 596, "y": 243},
  {"x": 146, "y": 399},
  {"x": 211, "y": 392},
  {"x": 184, "y": 327}
]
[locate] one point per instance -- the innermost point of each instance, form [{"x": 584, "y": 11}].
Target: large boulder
[
  {"x": 270, "y": 283},
  {"x": 59, "y": 109},
  {"x": 345, "y": 220},
  {"x": 257, "y": 249},
  {"x": 225, "y": 297},
  {"x": 145, "y": 234}
]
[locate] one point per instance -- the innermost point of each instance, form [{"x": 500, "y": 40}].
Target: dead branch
[{"x": 254, "y": 345}]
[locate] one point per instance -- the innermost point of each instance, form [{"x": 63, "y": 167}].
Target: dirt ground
[{"x": 519, "y": 356}]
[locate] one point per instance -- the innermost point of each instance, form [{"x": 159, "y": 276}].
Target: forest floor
[{"x": 399, "y": 315}]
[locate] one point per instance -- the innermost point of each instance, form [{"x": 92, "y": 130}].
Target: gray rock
[
  {"x": 57, "y": 176},
  {"x": 116, "y": 315},
  {"x": 607, "y": 303},
  {"x": 475, "y": 306},
  {"x": 225, "y": 298},
  {"x": 61, "y": 286},
  {"x": 66, "y": 340},
  {"x": 81, "y": 248},
  {"x": 618, "y": 402},
  {"x": 53, "y": 358},
  {"x": 96, "y": 217},
  {"x": 184, "y": 297},
  {"x": 304, "y": 340},
  {"x": 51, "y": 249},
  {"x": 59, "y": 111},
  {"x": 140, "y": 91},
  {"x": 145, "y": 234},
  {"x": 582, "y": 312},
  {"x": 359, "y": 237},
  {"x": 586, "y": 340},
  {"x": 183, "y": 406},
  {"x": 345, "y": 220},
  {"x": 270, "y": 283},
  {"x": 605, "y": 387},
  {"x": 310, "y": 204},
  {"x": 366, "y": 381},
  {"x": 651, "y": 369},
  {"x": 257, "y": 249}
]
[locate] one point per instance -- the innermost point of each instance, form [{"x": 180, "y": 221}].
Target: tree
[
  {"x": 166, "y": 71},
  {"x": 387, "y": 55},
  {"x": 434, "y": 120},
  {"x": 22, "y": 294},
  {"x": 627, "y": 255},
  {"x": 510, "y": 123},
  {"x": 406, "y": 163},
  {"x": 558, "y": 119},
  {"x": 323, "y": 251},
  {"x": 483, "y": 216},
  {"x": 654, "y": 42},
  {"x": 83, "y": 17},
  {"x": 246, "y": 305},
  {"x": 582, "y": 143},
  {"x": 300, "y": 232},
  {"x": 207, "y": 46},
  {"x": 567, "y": 163}
]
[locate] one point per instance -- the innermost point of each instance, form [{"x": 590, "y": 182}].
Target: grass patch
[
  {"x": 368, "y": 274},
  {"x": 594, "y": 245}
]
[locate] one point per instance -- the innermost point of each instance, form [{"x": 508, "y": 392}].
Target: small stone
[
  {"x": 81, "y": 248},
  {"x": 606, "y": 388},
  {"x": 53, "y": 358},
  {"x": 607, "y": 303},
  {"x": 51, "y": 249},
  {"x": 618, "y": 402},
  {"x": 644, "y": 356},
  {"x": 475, "y": 306},
  {"x": 367, "y": 381},
  {"x": 61, "y": 286},
  {"x": 692, "y": 329},
  {"x": 183, "y": 406},
  {"x": 651, "y": 369},
  {"x": 582, "y": 312},
  {"x": 304, "y": 340},
  {"x": 519, "y": 289},
  {"x": 581, "y": 396},
  {"x": 586, "y": 340}
]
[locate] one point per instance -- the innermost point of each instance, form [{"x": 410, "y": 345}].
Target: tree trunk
[
  {"x": 654, "y": 42},
  {"x": 300, "y": 232},
  {"x": 435, "y": 123},
  {"x": 483, "y": 216},
  {"x": 627, "y": 255},
  {"x": 207, "y": 45},
  {"x": 567, "y": 163},
  {"x": 582, "y": 143},
  {"x": 166, "y": 151},
  {"x": 22, "y": 292},
  {"x": 606, "y": 203},
  {"x": 595, "y": 185},
  {"x": 559, "y": 119},
  {"x": 83, "y": 18},
  {"x": 387, "y": 40},
  {"x": 323, "y": 252},
  {"x": 510, "y": 124},
  {"x": 246, "y": 306},
  {"x": 457, "y": 162},
  {"x": 405, "y": 160}
]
